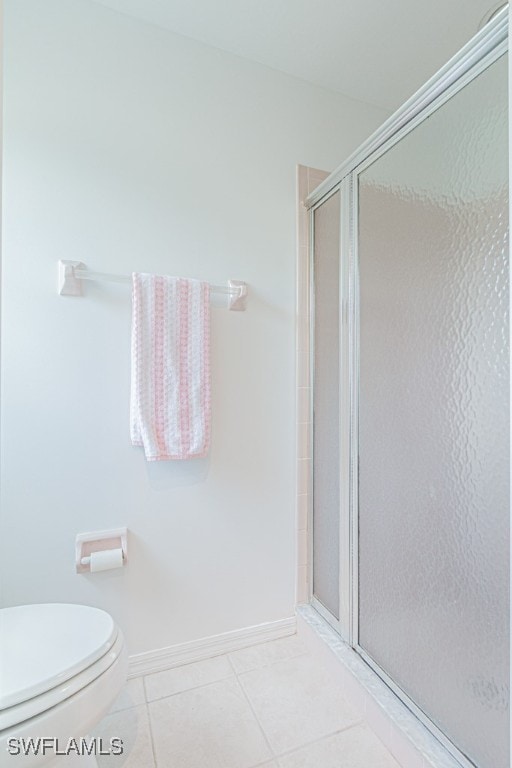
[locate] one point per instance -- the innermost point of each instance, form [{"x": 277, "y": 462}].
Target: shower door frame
[
  {"x": 341, "y": 624},
  {"x": 480, "y": 53}
]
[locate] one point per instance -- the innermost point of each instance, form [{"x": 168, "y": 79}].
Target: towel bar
[{"x": 71, "y": 274}]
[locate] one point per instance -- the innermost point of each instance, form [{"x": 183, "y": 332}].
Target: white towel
[{"x": 170, "y": 400}]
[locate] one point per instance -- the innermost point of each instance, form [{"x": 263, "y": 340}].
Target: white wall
[{"x": 131, "y": 148}]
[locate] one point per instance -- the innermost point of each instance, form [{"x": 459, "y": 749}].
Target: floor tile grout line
[
  {"x": 260, "y": 726},
  {"x": 151, "y": 738},
  {"x": 150, "y": 728},
  {"x": 124, "y": 709},
  {"x": 288, "y": 752},
  {"x": 192, "y": 688}
]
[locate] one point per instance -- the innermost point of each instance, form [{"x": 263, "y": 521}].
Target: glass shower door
[{"x": 433, "y": 419}]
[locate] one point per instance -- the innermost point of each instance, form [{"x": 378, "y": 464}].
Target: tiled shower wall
[{"x": 307, "y": 180}]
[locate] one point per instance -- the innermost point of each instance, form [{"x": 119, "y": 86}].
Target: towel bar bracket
[
  {"x": 69, "y": 283},
  {"x": 238, "y": 300}
]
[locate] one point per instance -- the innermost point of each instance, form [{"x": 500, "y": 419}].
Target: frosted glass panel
[
  {"x": 326, "y": 463},
  {"x": 434, "y": 417}
]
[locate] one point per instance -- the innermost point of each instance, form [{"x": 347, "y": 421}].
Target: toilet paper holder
[{"x": 98, "y": 541}]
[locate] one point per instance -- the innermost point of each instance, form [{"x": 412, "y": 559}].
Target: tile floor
[{"x": 268, "y": 706}]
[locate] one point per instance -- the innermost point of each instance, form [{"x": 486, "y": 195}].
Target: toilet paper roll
[{"x": 106, "y": 559}]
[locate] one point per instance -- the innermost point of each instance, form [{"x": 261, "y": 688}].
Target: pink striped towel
[{"x": 170, "y": 408}]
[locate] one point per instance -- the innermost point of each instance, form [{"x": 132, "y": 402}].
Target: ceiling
[{"x": 374, "y": 51}]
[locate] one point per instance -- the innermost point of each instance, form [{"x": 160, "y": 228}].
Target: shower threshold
[{"x": 404, "y": 735}]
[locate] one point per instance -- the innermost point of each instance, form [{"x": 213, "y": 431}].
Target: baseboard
[{"x": 206, "y": 647}]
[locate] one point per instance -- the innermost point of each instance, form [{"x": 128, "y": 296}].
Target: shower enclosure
[{"x": 410, "y": 356}]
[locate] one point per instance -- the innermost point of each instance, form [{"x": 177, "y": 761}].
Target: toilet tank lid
[{"x": 46, "y": 644}]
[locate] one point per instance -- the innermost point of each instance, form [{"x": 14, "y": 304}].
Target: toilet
[{"x": 61, "y": 667}]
